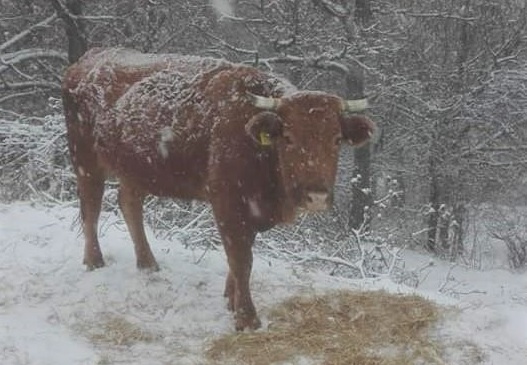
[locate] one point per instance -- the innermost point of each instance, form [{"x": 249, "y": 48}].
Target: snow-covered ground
[{"x": 54, "y": 312}]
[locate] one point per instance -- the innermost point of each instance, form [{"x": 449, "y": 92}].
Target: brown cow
[{"x": 201, "y": 128}]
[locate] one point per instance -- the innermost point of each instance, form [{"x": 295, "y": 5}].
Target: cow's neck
[{"x": 285, "y": 202}]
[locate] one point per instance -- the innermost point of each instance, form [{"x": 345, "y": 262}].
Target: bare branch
[
  {"x": 30, "y": 85},
  {"x": 10, "y": 59},
  {"x": 315, "y": 62},
  {"x": 332, "y": 8},
  {"x": 443, "y": 15},
  {"x": 246, "y": 20},
  {"x": 19, "y": 95},
  {"x": 320, "y": 62},
  {"x": 225, "y": 44},
  {"x": 97, "y": 17},
  {"x": 27, "y": 32},
  {"x": 503, "y": 149}
]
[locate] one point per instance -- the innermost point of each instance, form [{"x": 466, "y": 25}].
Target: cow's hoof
[
  {"x": 149, "y": 266},
  {"x": 93, "y": 264},
  {"x": 250, "y": 322}
]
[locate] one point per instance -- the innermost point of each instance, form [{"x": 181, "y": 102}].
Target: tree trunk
[
  {"x": 457, "y": 228},
  {"x": 361, "y": 194},
  {"x": 433, "y": 199},
  {"x": 363, "y": 13},
  {"x": 70, "y": 13}
]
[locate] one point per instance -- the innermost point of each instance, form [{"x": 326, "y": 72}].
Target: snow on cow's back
[
  {"x": 99, "y": 62},
  {"x": 125, "y": 57},
  {"x": 164, "y": 106},
  {"x": 171, "y": 103},
  {"x": 97, "y": 58},
  {"x": 104, "y": 77}
]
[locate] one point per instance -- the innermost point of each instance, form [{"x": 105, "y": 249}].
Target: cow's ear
[
  {"x": 264, "y": 127},
  {"x": 357, "y": 129}
]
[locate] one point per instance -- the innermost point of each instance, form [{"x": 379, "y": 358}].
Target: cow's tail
[
  {"x": 73, "y": 127},
  {"x": 80, "y": 133}
]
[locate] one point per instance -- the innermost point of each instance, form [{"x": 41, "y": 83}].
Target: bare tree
[
  {"x": 443, "y": 59},
  {"x": 28, "y": 69},
  {"x": 70, "y": 12}
]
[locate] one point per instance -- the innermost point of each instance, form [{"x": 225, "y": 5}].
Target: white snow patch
[
  {"x": 46, "y": 295},
  {"x": 29, "y": 336},
  {"x": 223, "y": 7},
  {"x": 254, "y": 208},
  {"x": 167, "y": 136},
  {"x": 163, "y": 149}
]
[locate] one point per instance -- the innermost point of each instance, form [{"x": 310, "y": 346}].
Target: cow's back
[
  {"x": 150, "y": 117},
  {"x": 102, "y": 76},
  {"x": 142, "y": 116}
]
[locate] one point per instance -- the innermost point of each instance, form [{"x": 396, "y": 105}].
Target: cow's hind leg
[
  {"x": 90, "y": 178},
  {"x": 131, "y": 203},
  {"x": 90, "y": 185}
]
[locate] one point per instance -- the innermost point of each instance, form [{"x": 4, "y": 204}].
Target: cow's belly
[
  {"x": 183, "y": 182},
  {"x": 169, "y": 169}
]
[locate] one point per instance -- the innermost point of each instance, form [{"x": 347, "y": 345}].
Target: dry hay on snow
[
  {"x": 339, "y": 328},
  {"x": 116, "y": 330}
]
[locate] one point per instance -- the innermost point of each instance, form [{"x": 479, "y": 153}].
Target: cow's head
[{"x": 306, "y": 130}]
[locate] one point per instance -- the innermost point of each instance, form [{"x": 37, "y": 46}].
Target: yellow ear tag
[{"x": 265, "y": 140}]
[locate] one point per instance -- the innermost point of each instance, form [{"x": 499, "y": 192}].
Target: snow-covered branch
[
  {"x": 439, "y": 15},
  {"x": 226, "y": 44},
  {"x": 18, "y": 95},
  {"x": 10, "y": 59},
  {"x": 26, "y": 32},
  {"x": 332, "y": 8},
  {"x": 314, "y": 62},
  {"x": 29, "y": 85}
]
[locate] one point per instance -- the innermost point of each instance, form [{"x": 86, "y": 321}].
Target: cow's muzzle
[{"x": 317, "y": 201}]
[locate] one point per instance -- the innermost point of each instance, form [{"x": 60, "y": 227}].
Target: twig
[{"x": 447, "y": 278}]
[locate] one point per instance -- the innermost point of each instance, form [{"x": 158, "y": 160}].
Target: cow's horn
[
  {"x": 264, "y": 102},
  {"x": 358, "y": 105}
]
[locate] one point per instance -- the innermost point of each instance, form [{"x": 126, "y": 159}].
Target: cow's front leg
[
  {"x": 229, "y": 291},
  {"x": 238, "y": 248}
]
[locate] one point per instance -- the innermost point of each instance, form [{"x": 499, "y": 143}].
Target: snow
[
  {"x": 254, "y": 208},
  {"x": 126, "y": 58},
  {"x": 52, "y": 310},
  {"x": 491, "y": 307},
  {"x": 223, "y": 7}
]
